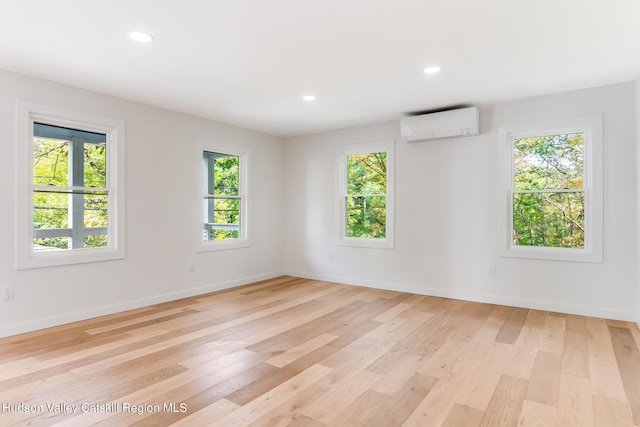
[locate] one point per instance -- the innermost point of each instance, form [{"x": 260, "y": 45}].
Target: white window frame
[
  {"x": 341, "y": 160},
  {"x": 27, "y": 114},
  {"x": 592, "y": 129},
  {"x": 244, "y": 155}
]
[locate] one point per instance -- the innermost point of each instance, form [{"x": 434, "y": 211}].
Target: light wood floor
[{"x": 298, "y": 352}]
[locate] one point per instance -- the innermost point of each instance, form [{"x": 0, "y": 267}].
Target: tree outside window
[
  {"x": 365, "y": 208},
  {"x": 70, "y": 204},
  {"x": 553, "y": 190},
  {"x": 549, "y": 195},
  {"x": 366, "y": 195},
  {"x": 224, "y": 198},
  {"x": 221, "y": 196},
  {"x": 70, "y": 198}
]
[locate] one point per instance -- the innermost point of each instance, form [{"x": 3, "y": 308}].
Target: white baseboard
[
  {"x": 48, "y": 322},
  {"x": 472, "y": 296}
]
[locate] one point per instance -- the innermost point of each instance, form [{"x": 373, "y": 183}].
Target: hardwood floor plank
[
  {"x": 544, "y": 383},
  {"x": 611, "y": 412},
  {"x": 439, "y": 365},
  {"x": 506, "y": 404},
  {"x": 203, "y": 417},
  {"x": 253, "y": 410},
  {"x": 397, "y": 409},
  {"x": 409, "y": 344},
  {"x": 463, "y": 416},
  {"x": 536, "y": 414},
  {"x": 605, "y": 375},
  {"x": 361, "y": 410},
  {"x": 606, "y": 379},
  {"x": 525, "y": 355},
  {"x": 552, "y": 340},
  {"x": 511, "y": 328},
  {"x": 635, "y": 331},
  {"x": 628, "y": 357},
  {"x": 575, "y": 407},
  {"x": 536, "y": 319},
  {"x": 395, "y": 379},
  {"x": 338, "y": 395},
  {"x": 480, "y": 389},
  {"x": 575, "y": 357},
  {"x": 455, "y": 378},
  {"x": 296, "y": 352}
]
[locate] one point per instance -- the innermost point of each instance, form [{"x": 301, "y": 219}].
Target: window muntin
[
  {"x": 553, "y": 186},
  {"x": 223, "y": 200},
  {"x": 365, "y": 205},
  {"x": 70, "y": 187}
]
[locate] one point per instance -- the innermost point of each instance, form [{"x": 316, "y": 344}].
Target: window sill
[
  {"x": 553, "y": 254},
  {"x": 222, "y": 245},
  {"x": 366, "y": 243},
  {"x": 67, "y": 257}
]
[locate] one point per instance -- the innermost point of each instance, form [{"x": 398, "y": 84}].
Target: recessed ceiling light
[
  {"x": 309, "y": 98},
  {"x": 140, "y": 36},
  {"x": 434, "y": 69}
]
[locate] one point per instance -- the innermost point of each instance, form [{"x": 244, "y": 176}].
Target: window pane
[
  {"x": 223, "y": 219},
  {"x": 96, "y": 241},
  {"x": 549, "y": 162},
  {"x": 95, "y": 165},
  {"x": 95, "y": 210},
  {"x": 548, "y": 219},
  {"x": 367, "y": 173},
  {"x": 226, "y": 175},
  {"x": 366, "y": 216},
  {"x": 50, "y": 210},
  {"x": 50, "y": 162},
  {"x": 221, "y": 178},
  {"x": 221, "y": 173},
  {"x": 51, "y": 244},
  {"x": 95, "y": 217}
]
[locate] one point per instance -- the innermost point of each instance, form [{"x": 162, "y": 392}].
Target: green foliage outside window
[
  {"x": 225, "y": 209},
  {"x": 51, "y": 209},
  {"x": 548, "y": 197},
  {"x": 366, "y": 195}
]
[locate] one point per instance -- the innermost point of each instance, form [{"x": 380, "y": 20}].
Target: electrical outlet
[
  {"x": 492, "y": 271},
  {"x": 8, "y": 293}
]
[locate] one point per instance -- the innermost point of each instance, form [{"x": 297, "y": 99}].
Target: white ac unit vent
[{"x": 446, "y": 124}]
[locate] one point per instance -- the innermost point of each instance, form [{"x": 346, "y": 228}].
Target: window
[
  {"x": 365, "y": 195},
  {"x": 224, "y": 200},
  {"x": 70, "y": 207},
  {"x": 553, "y": 191}
]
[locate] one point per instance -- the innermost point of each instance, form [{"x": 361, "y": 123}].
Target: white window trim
[
  {"x": 341, "y": 187},
  {"x": 592, "y": 128},
  {"x": 27, "y": 113},
  {"x": 244, "y": 155}
]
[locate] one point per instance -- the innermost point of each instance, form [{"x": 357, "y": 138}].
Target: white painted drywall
[
  {"x": 446, "y": 204},
  {"x": 161, "y": 192},
  {"x": 637, "y": 123}
]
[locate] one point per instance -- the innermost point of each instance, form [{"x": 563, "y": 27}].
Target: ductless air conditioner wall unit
[{"x": 442, "y": 125}]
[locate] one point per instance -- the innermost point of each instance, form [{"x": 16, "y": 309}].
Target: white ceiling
[{"x": 248, "y": 62}]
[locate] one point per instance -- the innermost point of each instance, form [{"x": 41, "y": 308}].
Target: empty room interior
[{"x": 356, "y": 213}]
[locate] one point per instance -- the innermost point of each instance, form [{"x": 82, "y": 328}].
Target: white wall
[
  {"x": 637, "y": 122},
  {"x": 161, "y": 190},
  {"x": 446, "y": 205}
]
